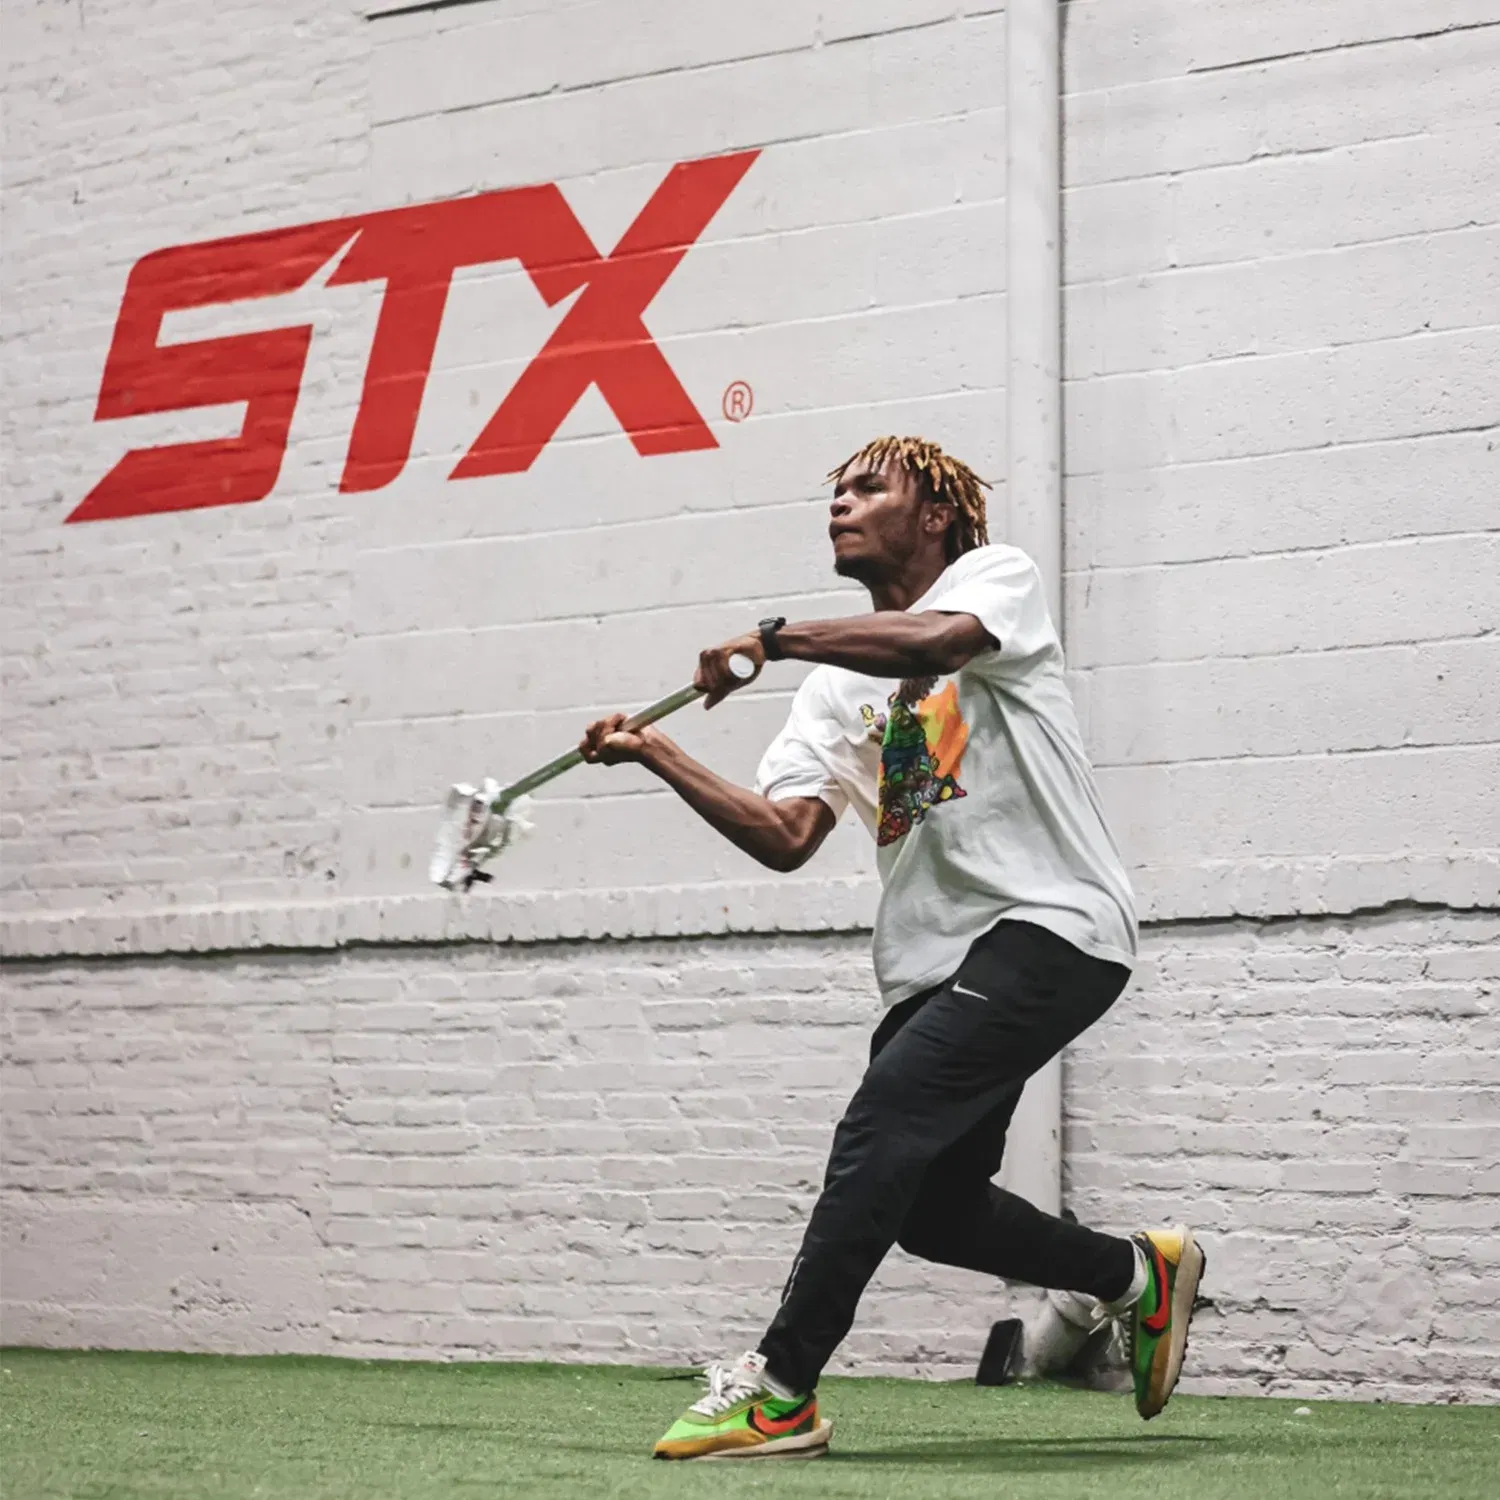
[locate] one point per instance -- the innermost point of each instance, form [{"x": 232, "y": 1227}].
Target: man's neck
[{"x": 903, "y": 589}]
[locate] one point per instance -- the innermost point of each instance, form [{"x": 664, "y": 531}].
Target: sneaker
[
  {"x": 742, "y": 1417},
  {"x": 1159, "y": 1320}
]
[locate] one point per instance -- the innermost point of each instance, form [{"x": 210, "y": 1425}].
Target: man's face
[{"x": 880, "y": 520}]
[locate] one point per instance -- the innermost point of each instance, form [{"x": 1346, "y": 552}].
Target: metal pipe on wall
[{"x": 1033, "y": 395}]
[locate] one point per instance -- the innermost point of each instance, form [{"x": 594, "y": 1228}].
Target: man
[{"x": 1006, "y": 927}]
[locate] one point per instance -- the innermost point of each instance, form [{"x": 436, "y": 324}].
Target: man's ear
[{"x": 938, "y": 516}]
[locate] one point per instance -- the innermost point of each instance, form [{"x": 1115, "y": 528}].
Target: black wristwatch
[{"x": 769, "y": 644}]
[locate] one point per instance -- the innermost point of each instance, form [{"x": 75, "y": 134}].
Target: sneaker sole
[
  {"x": 1184, "y": 1294},
  {"x": 812, "y": 1444}
]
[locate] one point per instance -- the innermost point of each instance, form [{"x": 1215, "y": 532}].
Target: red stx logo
[{"x": 601, "y": 340}]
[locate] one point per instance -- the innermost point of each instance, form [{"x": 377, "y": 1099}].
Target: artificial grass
[{"x": 100, "y": 1426}]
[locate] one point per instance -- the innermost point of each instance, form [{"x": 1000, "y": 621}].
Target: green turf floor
[{"x": 179, "y": 1427}]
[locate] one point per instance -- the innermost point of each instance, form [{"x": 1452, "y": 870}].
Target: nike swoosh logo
[
  {"x": 958, "y": 989},
  {"x": 770, "y": 1426},
  {"x": 1157, "y": 1322}
]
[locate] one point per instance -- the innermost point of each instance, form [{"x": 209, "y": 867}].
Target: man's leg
[
  {"x": 961, "y": 1218},
  {"x": 1021, "y": 995}
]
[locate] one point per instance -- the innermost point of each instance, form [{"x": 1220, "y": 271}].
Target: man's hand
[
  {"x": 606, "y": 742},
  {"x": 713, "y": 676}
]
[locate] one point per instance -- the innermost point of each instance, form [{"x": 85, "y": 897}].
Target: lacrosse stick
[{"x": 481, "y": 822}]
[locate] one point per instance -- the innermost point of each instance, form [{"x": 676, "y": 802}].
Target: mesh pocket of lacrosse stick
[{"x": 474, "y": 829}]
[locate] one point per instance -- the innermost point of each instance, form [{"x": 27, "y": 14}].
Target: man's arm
[
  {"x": 782, "y": 835},
  {"x": 889, "y": 643}
]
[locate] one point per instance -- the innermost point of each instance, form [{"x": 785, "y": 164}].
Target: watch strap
[{"x": 768, "y": 641}]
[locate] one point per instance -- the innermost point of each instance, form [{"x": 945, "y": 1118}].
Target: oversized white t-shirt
[{"x": 976, "y": 786}]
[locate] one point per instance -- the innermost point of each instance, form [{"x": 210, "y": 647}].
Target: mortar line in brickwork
[
  {"x": 864, "y": 133},
  {"x": 501, "y": 716},
  {"x": 1258, "y": 158},
  {"x": 1342, "y": 247},
  {"x": 818, "y": 137},
  {"x": 1439, "y": 130},
  {"x": 1381, "y": 544},
  {"x": 1360, "y": 45},
  {"x": 558, "y": 532},
  {"x": 1397, "y": 907},
  {"x": 584, "y": 440},
  {"x": 1282, "y": 654},
  {"x": 1271, "y": 59},
  {"x": 558, "y": 800},
  {"x": 1115, "y": 473},
  {"x": 1339, "y": 649},
  {"x": 1479, "y": 634},
  {"x": 501, "y": 271},
  {"x": 697, "y": 932},
  {"x": 1239, "y": 361},
  {"x": 868, "y": 314},
  {"x": 748, "y": 602},
  {"x": 418, "y": 7},
  {"x": 603, "y": 85},
  {"x": 1351, "y": 752},
  {"x": 270, "y": 952}
]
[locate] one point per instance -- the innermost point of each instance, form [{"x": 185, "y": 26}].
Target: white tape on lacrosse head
[{"x": 468, "y": 833}]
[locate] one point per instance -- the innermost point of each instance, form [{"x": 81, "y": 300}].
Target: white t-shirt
[{"x": 976, "y": 786}]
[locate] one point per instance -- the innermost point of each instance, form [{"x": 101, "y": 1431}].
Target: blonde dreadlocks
[{"x": 941, "y": 476}]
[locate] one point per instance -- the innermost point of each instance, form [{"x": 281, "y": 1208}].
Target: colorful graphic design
[{"x": 921, "y": 755}]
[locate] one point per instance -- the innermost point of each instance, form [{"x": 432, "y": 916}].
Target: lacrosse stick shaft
[
  {"x": 555, "y": 768},
  {"x": 741, "y": 666}
]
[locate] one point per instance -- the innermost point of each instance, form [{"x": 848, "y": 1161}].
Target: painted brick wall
[
  {"x": 1283, "y": 440},
  {"x": 174, "y": 712},
  {"x": 261, "y": 703},
  {"x": 606, "y": 1151},
  {"x": 596, "y": 1151},
  {"x": 1322, "y": 1097},
  {"x": 223, "y": 729}
]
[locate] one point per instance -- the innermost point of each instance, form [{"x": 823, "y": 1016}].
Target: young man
[{"x": 1006, "y": 927}]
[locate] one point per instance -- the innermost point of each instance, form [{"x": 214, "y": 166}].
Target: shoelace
[{"x": 727, "y": 1386}]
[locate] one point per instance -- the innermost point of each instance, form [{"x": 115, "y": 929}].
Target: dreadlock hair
[{"x": 940, "y": 477}]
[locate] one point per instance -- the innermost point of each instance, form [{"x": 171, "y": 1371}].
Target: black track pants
[{"x": 913, "y": 1156}]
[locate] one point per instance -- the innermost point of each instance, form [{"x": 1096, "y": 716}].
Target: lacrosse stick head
[{"x": 476, "y": 826}]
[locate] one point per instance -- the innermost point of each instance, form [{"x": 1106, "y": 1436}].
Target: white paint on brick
[
  {"x": 607, "y": 1151},
  {"x": 224, "y": 730},
  {"x": 1320, "y": 1097}
]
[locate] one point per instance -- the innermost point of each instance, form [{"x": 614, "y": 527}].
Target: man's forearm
[
  {"x": 889, "y": 643},
  {"x": 767, "y": 831}
]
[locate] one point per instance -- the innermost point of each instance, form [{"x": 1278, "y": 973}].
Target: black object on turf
[{"x": 1001, "y": 1360}]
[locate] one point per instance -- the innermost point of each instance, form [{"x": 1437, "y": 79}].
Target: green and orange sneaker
[
  {"x": 742, "y": 1417},
  {"x": 1158, "y": 1322}
]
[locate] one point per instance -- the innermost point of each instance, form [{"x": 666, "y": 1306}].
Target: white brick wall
[
  {"x": 1322, "y": 1097},
  {"x": 173, "y": 704},
  {"x": 591, "y": 1151},
  {"x": 224, "y": 729},
  {"x": 287, "y": 677},
  {"x": 607, "y": 1151},
  {"x": 1283, "y": 436},
  {"x": 1281, "y": 428}
]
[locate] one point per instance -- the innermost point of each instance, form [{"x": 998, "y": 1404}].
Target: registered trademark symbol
[{"x": 739, "y": 400}]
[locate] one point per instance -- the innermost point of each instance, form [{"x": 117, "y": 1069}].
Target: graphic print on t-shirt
[{"x": 921, "y": 755}]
